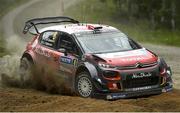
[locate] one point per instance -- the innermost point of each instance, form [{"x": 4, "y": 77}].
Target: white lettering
[{"x": 141, "y": 75}]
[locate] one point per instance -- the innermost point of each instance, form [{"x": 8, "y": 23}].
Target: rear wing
[{"x": 49, "y": 20}]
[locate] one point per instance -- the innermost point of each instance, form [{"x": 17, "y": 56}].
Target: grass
[
  {"x": 5, "y": 6},
  {"x": 94, "y": 11}
]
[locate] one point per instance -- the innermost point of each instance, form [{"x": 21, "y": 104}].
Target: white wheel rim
[{"x": 84, "y": 87}]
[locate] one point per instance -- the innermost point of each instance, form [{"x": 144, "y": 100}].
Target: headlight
[
  {"x": 111, "y": 75},
  {"x": 103, "y": 65}
]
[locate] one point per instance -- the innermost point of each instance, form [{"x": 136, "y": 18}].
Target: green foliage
[
  {"x": 95, "y": 11},
  {"x": 161, "y": 13},
  {"x": 6, "y": 5}
]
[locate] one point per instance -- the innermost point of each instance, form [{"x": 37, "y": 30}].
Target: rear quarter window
[{"x": 49, "y": 38}]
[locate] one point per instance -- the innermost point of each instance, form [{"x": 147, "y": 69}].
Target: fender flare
[
  {"x": 90, "y": 68},
  {"x": 29, "y": 56},
  {"x": 93, "y": 72}
]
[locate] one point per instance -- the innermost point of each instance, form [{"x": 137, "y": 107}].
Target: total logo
[{"x": 141, "y": 75}]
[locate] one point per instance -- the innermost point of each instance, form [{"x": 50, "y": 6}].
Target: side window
[
  {"x": 67, "y": 43},
  {"x": 49, "y": 38}
]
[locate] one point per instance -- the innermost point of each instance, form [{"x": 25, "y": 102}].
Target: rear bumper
[{"x": 130, "y": 94}]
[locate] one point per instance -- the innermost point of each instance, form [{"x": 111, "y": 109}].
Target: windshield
[{"x": 106, "y": 42}]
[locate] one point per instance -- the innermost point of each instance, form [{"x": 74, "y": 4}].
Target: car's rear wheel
[
  {"x": 25, "y": 71},
  {"x": 84, "y": 85}
]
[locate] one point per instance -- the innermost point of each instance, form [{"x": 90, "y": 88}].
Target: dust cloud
[
  {"x": 46, "y": 80},
  {"x": 50, "y": 81},
  {"x": 9, "y": 64}
]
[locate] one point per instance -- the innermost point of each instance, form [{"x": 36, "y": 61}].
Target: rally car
[{"x": 94, "y": 59}]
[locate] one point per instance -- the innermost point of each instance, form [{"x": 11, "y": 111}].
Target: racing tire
[
  {"x": 84, "y": 86},
  {"x": 25, "y": 72}
]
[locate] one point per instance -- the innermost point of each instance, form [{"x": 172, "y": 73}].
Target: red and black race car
[{"x": 94, "y": 59}]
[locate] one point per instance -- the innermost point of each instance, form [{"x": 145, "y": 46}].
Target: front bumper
[
  {"x": 130, "y": 94},
  {"x": 164, "y": 84}
]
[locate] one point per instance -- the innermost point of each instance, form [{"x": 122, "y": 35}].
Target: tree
[{"x": 161, "y": 13}]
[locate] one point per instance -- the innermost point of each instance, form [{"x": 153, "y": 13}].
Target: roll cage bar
[{"x": 48, "y": 20}]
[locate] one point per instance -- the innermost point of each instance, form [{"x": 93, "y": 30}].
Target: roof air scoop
[{"x": 96, "y": 29}]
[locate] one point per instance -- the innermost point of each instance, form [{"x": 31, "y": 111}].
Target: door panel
[{"x": 64, "y": 65}]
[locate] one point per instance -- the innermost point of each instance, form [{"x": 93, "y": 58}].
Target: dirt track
[{"x": 16, "y": 99}]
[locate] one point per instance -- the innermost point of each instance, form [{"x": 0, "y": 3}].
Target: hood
[{"x": 129, "y": 57}]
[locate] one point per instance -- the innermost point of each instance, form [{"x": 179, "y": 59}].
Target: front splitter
[{"x": 130, "y": 94}]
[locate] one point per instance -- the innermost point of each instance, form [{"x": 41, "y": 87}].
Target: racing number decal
[{"x": 75, "y": 62}]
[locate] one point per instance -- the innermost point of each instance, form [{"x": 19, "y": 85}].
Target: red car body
[{"x": 118, "y": 74}]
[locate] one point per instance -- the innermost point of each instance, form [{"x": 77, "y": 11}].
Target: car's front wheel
[{"x": 84, "y": 85}]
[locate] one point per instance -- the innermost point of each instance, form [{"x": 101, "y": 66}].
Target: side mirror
[{"x": 62, "y": 50}]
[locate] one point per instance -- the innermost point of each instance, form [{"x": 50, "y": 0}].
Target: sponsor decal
[
  {"x": 118, "y": 96},
  {"x": 141, "y": 88},
  {"x": 66, "y": 60},
  {"x": 42, "y": 52},
  {"x": 115, "y": 96},
  {"x": 141, "y": 75}
]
